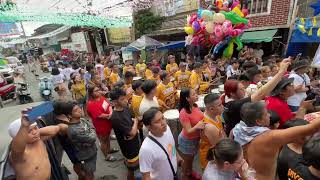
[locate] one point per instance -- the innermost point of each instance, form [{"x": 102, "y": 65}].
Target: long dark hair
[
  {"x": 184, "y": 104},
  {"x": 225, "y": 150},
  {"x": 90, "y": 90}
]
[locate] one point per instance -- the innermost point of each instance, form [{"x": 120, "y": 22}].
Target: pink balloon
[
  {"x": 195, "y": 40},
  {"x": 193, "y": 18},
  {"x": 218, "y": 31},
  {"x": 227, "y": 28},
  {"x": 237, "y": 32},
  {"x": 240, "y": 26},
  {"x": 245, "y": 12}
]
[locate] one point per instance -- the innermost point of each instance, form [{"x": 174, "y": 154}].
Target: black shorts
[
  {"x": 132, "y": 164},
  {"x": 89, "y": 165}
]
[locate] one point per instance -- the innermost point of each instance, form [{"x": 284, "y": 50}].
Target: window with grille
[{"x": 257, "y": 7}]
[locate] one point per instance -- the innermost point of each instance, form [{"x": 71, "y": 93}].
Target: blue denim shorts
[{"x": 188, "y": 146}]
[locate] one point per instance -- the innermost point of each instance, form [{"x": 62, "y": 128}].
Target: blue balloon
[
  {"x": 200, "y": 13},
  {"x": 221, "y": 44}
]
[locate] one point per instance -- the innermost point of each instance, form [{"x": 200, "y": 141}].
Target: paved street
[
  {"x": 11, "y": 112},
  {"x": 105, "y": 170}
]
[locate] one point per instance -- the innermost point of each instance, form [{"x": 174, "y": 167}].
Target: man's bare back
[
  {"x": 34, "y": 164},
  {"x": 262, "y": 157}
]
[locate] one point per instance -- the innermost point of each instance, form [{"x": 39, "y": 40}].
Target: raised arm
[
  {"x": 50, "y": 131},
  {"x": 285, "y": 136},
  {"x": 19, "y": 142},
  {"x": 267, "y": 88}
]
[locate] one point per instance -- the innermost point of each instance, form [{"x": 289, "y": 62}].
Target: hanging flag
[
  {"x": 314, "y": 22},
  {"x": 302, "y": 21},
  {"x": 310, "y": 32},
  {"x": 318, "y": 33},
  {"x": 301, "y": 28}
]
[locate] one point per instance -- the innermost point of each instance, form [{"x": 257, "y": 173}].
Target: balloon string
[{"x": 210, "y": 49}]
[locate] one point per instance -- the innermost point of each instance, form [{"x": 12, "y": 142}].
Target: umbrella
[
  {"x": 145, "y": 43},
  {"x": 3, "y": 62}
]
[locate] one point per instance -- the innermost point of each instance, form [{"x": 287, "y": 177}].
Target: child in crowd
[
  {"x": 100, "y": 69},
  {"x": 128, "y": 79},
  {"x": 135, "y": 103},
  {"x": 125, "y": 127},
  {"x": 141, "y": 68},
  {"x": 114, "y": 76},
  {"x": 172, "y": 66},
  {"x": 155, "y": 75}
]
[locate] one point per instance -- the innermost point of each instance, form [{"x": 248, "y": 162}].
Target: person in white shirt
[
  {"x": 67, "y": 71},
  {"x": 99, "y": 69},
  {"x": 150, "y": 99},
  {"x": 301, "y": 84},
  {"x": 153, "y": 159},
  {"x": 258, "y": 52},
  {"x": 234, "y": 69}
]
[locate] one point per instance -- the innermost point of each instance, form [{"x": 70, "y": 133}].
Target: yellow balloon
[
  {"x": 189, "y": 30},
  {"x": 238, "y": 11}
]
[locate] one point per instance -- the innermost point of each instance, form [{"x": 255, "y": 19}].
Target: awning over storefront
[
  {"x": 173, "y": 45},
  {"x": 258, "y": 36}
]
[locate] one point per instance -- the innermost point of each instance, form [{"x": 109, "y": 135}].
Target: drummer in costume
[
  {"x": 182, "y": 76},
  {"x": 166, "y": 92},
  {"x": 114, "y": 76},
  {"x": 213, "y": 131},
  {"x": 172, "y": 66},
  {"x": 155, "y": 75},
  {"x": 141, "y": 68},
  {"x": 196, "y": 82},
  {"x": 128, "y": 67}
]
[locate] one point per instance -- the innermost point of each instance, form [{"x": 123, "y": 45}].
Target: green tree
[{"x": 146, "y": 22}]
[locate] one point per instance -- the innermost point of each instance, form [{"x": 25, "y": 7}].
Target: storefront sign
[
  {"x": 173, "y": 7},
  {"x": 119, "y": 35}
]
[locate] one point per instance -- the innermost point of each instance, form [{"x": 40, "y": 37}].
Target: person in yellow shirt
[
  {"x": 182, "y": 76},
  {"x": 206, "y": 73},
  {"x": 135, "y": 104},
  {"x": 172, "y": 66},
  {"x": 114, "y": 76},
  {"x": 196, "y": 82},
  {"x": 155, "y": 75},
  {"x": 78, "y": 89},
  {"x": 141, "y": 68},
  {"x": 128, "y": 79},
  {"x": 213, "y": 132},
  {"x": 128, "y": 67},
  {"x": 166, "y": 92}
]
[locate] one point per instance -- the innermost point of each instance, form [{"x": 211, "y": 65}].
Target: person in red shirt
[
  {"x": 277, "y": 102},
  {"x": 100, "y": 111}
]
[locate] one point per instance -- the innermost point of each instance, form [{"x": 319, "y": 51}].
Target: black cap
[
  {"x": 282, "y": 84},
  {"x": 300, "y": 64}
]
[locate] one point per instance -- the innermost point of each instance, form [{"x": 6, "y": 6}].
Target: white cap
[{"x": 14, "y": 127}]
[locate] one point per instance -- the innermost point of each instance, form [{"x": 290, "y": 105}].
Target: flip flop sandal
[
  {"x": 111, "y": 159},
  {"x": 113, "y": 150}
]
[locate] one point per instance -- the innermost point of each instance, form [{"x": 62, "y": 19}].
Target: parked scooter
[
  {"x": 46, "y": 88},
  {"x": 7, "y": 91},
  {"x": 23, "y": 94}
]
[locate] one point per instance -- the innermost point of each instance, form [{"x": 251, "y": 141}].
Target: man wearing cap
[
  {"x": 28, "y": 155},
  {"x": 277, "y": 102},
  {"x": 301, "y": 81}
]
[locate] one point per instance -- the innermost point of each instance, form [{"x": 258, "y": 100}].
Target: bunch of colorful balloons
[{"x": 221, "y": 25}]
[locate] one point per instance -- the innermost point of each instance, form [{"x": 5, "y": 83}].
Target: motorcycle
[
  {"x": 7, "y": 91},
  {"x": 46, "y": 88},
  {"x": 23, "y": 94}
]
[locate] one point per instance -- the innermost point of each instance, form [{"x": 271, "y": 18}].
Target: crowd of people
[{"x": 255, "y": 129}]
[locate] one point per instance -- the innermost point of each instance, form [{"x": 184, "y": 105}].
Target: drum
[
  {"x": 215, "y": 91},
  {"x": 137, "y": 78},
  {"x": 200, "y": 102},
  {"x": 172, "y": 117},
  {"x": 221, "y": 88}
]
